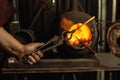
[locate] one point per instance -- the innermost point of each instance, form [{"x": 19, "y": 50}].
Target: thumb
[
  {"x": 31, "y": 47},
  {"x": 38, "y": 44}
]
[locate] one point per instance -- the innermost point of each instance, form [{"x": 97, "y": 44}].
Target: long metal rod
[
  {"x": 86, "y": 22},
  {"x": 89, "y": 48}
]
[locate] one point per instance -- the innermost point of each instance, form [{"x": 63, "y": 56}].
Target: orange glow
[
  {"x": 66, "y": 24},
  {"x": 83, "y": 33}
]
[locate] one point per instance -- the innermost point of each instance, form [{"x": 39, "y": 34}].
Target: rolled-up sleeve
[{"x": 6, "y": 11}]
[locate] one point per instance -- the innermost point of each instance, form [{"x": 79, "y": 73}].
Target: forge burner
[{"x": 85, "y": 36}]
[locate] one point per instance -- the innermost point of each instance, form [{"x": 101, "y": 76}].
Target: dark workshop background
[{"x": 47, "y": 24}]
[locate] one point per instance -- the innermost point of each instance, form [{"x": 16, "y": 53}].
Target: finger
[
  {"x": 36, "y": 56},
  {"x": 31, "y": 59},
  {"x": 39, "y": 53},
  {"x": 29, "y": 62}
]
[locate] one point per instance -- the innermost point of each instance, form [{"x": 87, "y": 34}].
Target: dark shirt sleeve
[{"x": 6, "y": 11}]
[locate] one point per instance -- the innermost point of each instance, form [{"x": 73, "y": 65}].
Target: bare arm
[{"x": 10, "y": 44}]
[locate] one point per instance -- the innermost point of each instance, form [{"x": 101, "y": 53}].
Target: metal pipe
[
  {"x": 99, "y": 10},
  {"x": 15, "y": 5},
  {"x": 14, "y": 24},
  {"x": 74, "y": 5},
  {"x": 114, "y": 5},
  {"x": 99, "y": 21},
  {"x": 102, "y": 17},
  {"x": 103, "y": 25}
]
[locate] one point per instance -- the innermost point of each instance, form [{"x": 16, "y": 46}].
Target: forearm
[{"x": 9, "y": 43}]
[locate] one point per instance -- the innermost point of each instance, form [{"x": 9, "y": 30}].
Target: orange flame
[
  {"x": 84, "y": 34},
  {"x": 82, "y": 31},
  {"x": 66, "y": 24}
]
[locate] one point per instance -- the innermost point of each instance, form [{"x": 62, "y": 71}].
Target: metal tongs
[{"x": 57, "y": 40}]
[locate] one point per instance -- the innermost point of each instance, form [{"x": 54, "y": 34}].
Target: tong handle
[
  {"x": 54, "y": 39},
  {"x": 60, "y": 42}
]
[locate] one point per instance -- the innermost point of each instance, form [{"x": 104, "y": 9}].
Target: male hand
[{"x": 30, "y": 55}]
